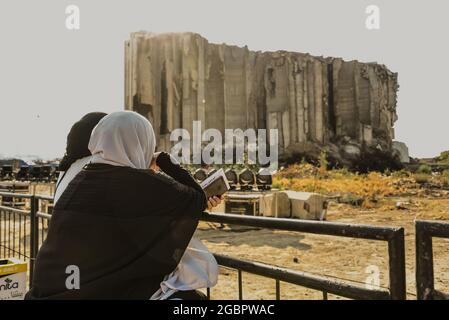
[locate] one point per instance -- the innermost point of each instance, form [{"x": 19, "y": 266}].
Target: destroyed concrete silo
[{"x": 316, "y": 103}]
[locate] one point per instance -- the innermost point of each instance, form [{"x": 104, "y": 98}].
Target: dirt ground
[{"x": 342, "y": 258}]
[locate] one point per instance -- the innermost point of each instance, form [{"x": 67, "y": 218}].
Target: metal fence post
[
  {"x": 33, "y": 234},
  {"x": 424, "y": 263},
  {"x": 396, "y": 250},
  {"x": 240, "y": 284},
  {"x": 425, "y": 282}
]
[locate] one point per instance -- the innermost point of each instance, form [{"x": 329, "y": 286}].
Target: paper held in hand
[{"x": 215, "y": 185}]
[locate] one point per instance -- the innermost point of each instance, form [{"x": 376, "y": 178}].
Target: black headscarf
[{"x": 78, "y": 139}]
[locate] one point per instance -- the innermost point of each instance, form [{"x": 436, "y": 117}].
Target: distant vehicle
[
  {"x": 23, "y": 174},
  {"x": 19, "y": 170},
  {"x": 7, "y": 172}
]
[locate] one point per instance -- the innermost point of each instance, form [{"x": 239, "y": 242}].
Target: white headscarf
[{"x": 123, "y": 138}]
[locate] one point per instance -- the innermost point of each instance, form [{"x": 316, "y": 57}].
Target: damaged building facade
[{"x": 316, "y": 103}]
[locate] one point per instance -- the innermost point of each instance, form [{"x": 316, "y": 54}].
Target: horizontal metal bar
[
  {"x": 14, "y": 210},
  {"x": 316, "y": 227},
  {"x": 13, "y": 204},
  {"x": 43, "y": 197},
  {"x": 304, "y": 279},
  {"x": 26, "y": 196},
  {"x": 433, "y": 228},
  {"x": 43, "y": 215},
  {"x": 16, "y": 195}
]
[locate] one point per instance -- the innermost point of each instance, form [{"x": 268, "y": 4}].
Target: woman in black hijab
[{"x": 77, "y": 153}]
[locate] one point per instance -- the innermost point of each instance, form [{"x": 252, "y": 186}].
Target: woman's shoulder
[
  {"x": 150, "y": 176},
  {"x": 134, "y": 176}
]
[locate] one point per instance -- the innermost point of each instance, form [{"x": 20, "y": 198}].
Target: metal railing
[
  {"x": 22, "y": 232},
  {"x": 425, "y": 231},
  {"x": 393, "y": 236},
  {"x": 38, "y": 223}
]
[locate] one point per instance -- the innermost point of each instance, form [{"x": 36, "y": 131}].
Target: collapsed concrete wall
[{"x": 316, "y": 103}]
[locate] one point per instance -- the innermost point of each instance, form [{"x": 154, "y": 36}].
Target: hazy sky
[{"x": 50, "y": 76}]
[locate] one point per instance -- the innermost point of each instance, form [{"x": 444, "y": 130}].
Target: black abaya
[{"x": 123, "y": 228}]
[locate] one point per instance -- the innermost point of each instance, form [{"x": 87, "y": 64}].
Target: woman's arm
[
  {"x": 181, "y": 191},
  {"x": 176, "y": 171},
  {"x": 181, "y": 175}
]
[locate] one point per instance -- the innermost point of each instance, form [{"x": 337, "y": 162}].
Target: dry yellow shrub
[{"x": 305, "y": 177}]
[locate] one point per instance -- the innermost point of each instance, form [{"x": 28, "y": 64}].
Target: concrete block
[
  {"x": 307, "y": 205},
  {"x": 275, "y": 204}
]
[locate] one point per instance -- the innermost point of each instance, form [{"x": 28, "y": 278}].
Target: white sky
[{"x": 50, "y": 76}]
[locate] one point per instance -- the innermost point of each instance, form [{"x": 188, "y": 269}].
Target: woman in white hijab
[
  {"x": 198, "y": 267},
  {"x": 124, "y": 226}
]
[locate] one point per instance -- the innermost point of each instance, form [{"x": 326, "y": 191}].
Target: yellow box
[{"x": 13, "y": 277}]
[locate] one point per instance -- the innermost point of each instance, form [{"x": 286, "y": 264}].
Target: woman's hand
[
  {"x": 213, "y": 202},
  {"x": 153, "y": 165}
]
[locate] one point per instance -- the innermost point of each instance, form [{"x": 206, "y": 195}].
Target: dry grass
[{"x": 372, "y": 186}]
